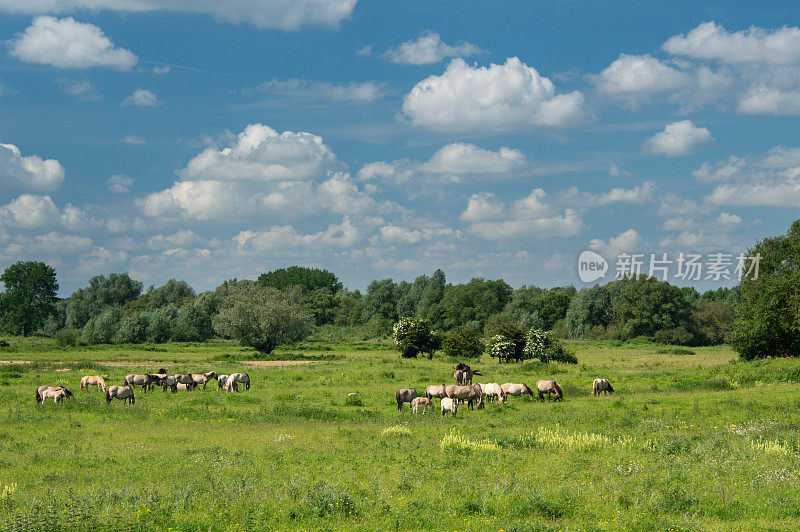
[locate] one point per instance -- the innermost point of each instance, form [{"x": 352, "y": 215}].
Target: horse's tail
[
  {"x": 83, "y": 383},
  {"x": 247, "y": 382},
  {"x": 398, "y": 399},
  {"x": 108, "y": 396},
  {"x": 38, "y": 396},
  {"x": 67, "y": 393},
  {"x": 474, "y": 372},
  {"x": 527, "y": 389},
  {"x": 610, "y": 389},
  {"x": 428, "y": 393}
]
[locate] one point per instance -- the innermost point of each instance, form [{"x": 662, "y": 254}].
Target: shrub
[
  {"x": 413, "y": 336},
  {"x": 133, "y": 329},
  {"x": 463, "y": 342},
  {"x": 544, "y": 346},
  {"x": 102, "y": 328},
  {"x": 502, "y": 348},
  {"x": 66, "y": 337}
]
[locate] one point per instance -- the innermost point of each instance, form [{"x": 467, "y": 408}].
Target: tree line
[{"x": 759, "y": 317}]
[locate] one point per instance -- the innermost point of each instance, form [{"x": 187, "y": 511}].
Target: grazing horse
[
  {"x": 120, "y": 392},
  {"x": 601, "y": 385},
  {"x": 449, "y": 405},
  {"x": 203, "y": 379},
  {"x": 93, "y": 380},
  {"x": 459, "y": 377},
  {"x": 423, "y": 402},
  {"x": 495, "y": 392},
  {"x": 145, "y": 381},
  {"x": 466, "y": 393},
  {"x": 181, "y": 387},
  {"x": 169, "y": 382},
  {"x": 467, "y": 371},
  {"x": 156, "y": 379},
  {"x": 549, "y": 387},
  {"x": 56, "y": 395},
  {"x": 184, "y": 378},
  {"x": 234, "y": 378},
  {"x": 436, "y": 390},
  {"x": 41, "y": 390},
  {"x": 405, "y": 395},
  {"x": 516, "y": 389},
  {"x": 221, "y": 380}
]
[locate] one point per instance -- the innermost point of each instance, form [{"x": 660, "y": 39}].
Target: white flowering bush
[
  {"x": 502, "y": 348},
  {"x": 413, "y": 336},
  {"x": 544, "y": 346}
]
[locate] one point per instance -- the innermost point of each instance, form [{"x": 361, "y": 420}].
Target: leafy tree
[
  {"x": 29, "y": 297},
  {"x": 431, "y": 293},
  {"x": 474, "y": 301},
  {"x": 133, "y": 328},
  {"x": 714, "y": 320},
  {"x": 309, "y": 278},
  {"x": 544, "y": 346},
  {"x": 769, "y": 314},
  {"x": 591, "y": 308},
  {"x": 192, "y": 324},
  {"x": 501, "y": 325},
  {"x": 160, "y": 324},
  {"x": 413, "y": 336},
  {"x": 503, "y": 349},
  {"x": 262, "y": 318},
  {"x": 173, "y": 292},
  {"x": 102, "y": 328},
  {"x": 463, "y": 342},
  {"x": 380, "y": 300},
  {"x": 645, "y": 305},
  {"x": 348, "y": 308},
  {"x": 103, "y": 292}
]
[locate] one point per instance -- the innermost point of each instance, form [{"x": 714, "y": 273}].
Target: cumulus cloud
[
  {"x": 183, "y": 239},
  {"x": 633, "y": 75},
  {"x": 132, "y": 139},
  {"x": 342, "y": 235},
  {"x": 461, "y": 158},
  {"x": 30, "y": 211},
  {"x": 275, "y": 14},
  {"x": 482, "y": 207},
  {"x": 503, "y": 97},
  {"x": 567, "y": 224},
  {"x": 360, "y": 92},
  {"x": 260, "y": 153},
  {"x": 765, "y": 100},
  {"x": 142, "y": 98},
  {"x": 429, "y": 48},
  {"x": 678, "y": 138},
  {"x": 29, "y": 173},
  {"x": 625, "y": 242},
  {"x": 119, "y": 184},
  {"x": 710, "y": 40},
  {"x": 66, "y": 43}
]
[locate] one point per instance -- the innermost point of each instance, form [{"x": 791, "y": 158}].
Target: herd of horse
[
  {"x": 148, "y": 381},
  {"x": 474, "y": 395}
]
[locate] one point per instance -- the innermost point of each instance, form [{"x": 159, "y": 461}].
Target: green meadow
[{"x": 692, "y": 439}]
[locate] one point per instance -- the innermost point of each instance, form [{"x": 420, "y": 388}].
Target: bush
[
  {"x": 544, "y": 346},
  {"x": 66, "y": 337},
  {"x": 413, "y": 336},
  {"x": 502, "y": 348},
  {"x": 463, "y": 342}
]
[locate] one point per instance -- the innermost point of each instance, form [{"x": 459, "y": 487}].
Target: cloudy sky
[{"x": 207, "y": 140}]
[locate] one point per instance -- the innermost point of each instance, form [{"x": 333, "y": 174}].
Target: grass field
[{"x": 692, "y": 440}]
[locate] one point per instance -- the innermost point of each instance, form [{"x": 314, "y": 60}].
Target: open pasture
[{"x": 687, "y": 442}]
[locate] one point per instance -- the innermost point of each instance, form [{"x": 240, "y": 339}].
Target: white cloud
[
  {"x": 397, "y": 172},
  {"x": 262, "y": 154},
  {"x": 727, "y": 170},
  {"x": 459, "y": 158},
  {"x": 678, "y": 138},
  {"x": 568, "y": 224},
  {"x": 503, "y": 97},
  {"x": 726, "y": 218},
  {"x": 482, "y": 207},
  {"x": 30, "y": 211},
  {"x": 765, "y": 100},
  {"x": 54, "y": 243},
  {"x": 366, "y": 91},
  {"x": 616, "y": 171},
  {"x": 119, "y": 184},
  {"x": 66, "y": 43},
  {"x": 755, "y": 45},
  {"x": 780, "y": 157},
  {"x": 18, "y": 172},
  {"x": 786, "y": 194},
  {"x": 342, "y": 235},
  {"x": 275, "y": 14},
  {"x": 364, "y": 51},
  {"x": 632, "y": 75},
  {"x": 636, "y": 195},
  {"x": 132, "y": 139},
  {"x": 624, "y": 242},
  {"x": 429, "y": 48},
  {"x": 83, "y": 90},
  {"x": 142, "y": 98},
  {"x": 183, "y": 239}
]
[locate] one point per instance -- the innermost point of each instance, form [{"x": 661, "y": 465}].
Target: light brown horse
[
  {"x": 466, "y": 393},
  {"x": 516, "y": 389},
  {"x": 600, "y": 386},
  {"x": 55, "y": 395},
  {"x": 204, "y": 378},
  {"x": 459, "y": 377},
  {"x": 436, "y": 390},
  {"x": 421, "y": 402},
  {"x": 234, "y": 378},
  {"x": 145, "y": 381},
  {"x": 467, "y": 372},
  {"x": 41, "y": 390},
  {"x": 549, "y": 388},
  {"x": 495, "y": 392},
  {"x": 120, "y": 392},
  {"x": 221, "y": 381},
  {"x": 405, "y": 395},
  {"x": 93, "y": 380}
]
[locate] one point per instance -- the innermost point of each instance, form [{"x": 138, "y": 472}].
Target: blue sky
[{"x": 206, "y": 140}]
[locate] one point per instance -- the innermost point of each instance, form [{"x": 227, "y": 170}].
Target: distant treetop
[{"x": 308, "y": 278}]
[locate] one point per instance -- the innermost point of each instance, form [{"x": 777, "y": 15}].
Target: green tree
[
  {"x": 474, "y": 301},
  {"x": 413, "y": 336},
  {"x": 380, "y": 300},
  {"x": 173, "y": 292},
  {"x": 509, "y": 331},
  {"x": 544, "y": 346},
  {"x": 769, "y": 314},
  {"x": 463, "y": 342},
  {"x": 103, "y": 292},
  {"x": 262, "y": 318},
  {"x": 309, "y": 278},
  {"x": 102, "y": 328},
  {"x": 29, "y": 297},
  {"x": 192, "y": 324},
  {"x": 645, "y": 305}
]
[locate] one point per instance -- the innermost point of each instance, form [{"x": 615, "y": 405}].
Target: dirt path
[{"x": 115, "y": 363}]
